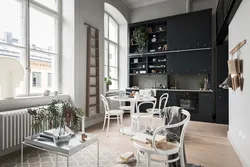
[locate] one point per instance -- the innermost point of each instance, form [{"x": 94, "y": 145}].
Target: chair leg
[
  {"x": 104, "y": 123},
  {"x": 149, "y": 160},
  {"x": 182, "y": 158},
  {"x": 121, "y": 117},
  {"x": 166, "y": 164},
  {"x": 138, "y": 159},
  {"x": 132, "y": 127},
  {"x": 118, "y": 124},
  {"x": 108, "y": 126}
]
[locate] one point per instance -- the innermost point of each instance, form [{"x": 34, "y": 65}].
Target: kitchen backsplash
[
  {"x": 146, "y": 81},
  {"x": 188, "y": 81},
  {"x": 182, "y": 81}
]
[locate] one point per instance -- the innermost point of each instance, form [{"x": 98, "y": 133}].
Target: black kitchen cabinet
[
  {"x": 221, "y": 96},
  {"x": 222, "y": 106},
  {"x": 206, "y": 107},
  {"x": 189, "y": 62},
  {"x": 189, "y": 31}
]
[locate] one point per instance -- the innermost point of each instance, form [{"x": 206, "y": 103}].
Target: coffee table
[{"x": 75, "y": 145}]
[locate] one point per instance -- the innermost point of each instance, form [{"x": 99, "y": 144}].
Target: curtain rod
[{"x": 91, "y": 26}]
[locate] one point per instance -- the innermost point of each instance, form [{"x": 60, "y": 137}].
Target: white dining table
[{"x": 127, "y": 129}]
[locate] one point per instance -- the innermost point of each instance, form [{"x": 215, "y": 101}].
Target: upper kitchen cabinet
[
  {"x": 190, "y": 31},
  {"x": 189, "y": 62}
]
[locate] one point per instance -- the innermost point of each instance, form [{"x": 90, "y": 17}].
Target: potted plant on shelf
[
  {"x": 140, "y": 36},
  {"x": 60, "y": 115},
  {"x": 108, "y": 82}
]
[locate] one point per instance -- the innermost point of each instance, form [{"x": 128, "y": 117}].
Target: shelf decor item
[{"x": 140, "y": 37}]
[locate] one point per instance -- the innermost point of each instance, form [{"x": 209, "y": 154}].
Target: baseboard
[
  {"x": 90, "y": 121},
  {"x": 243, "y": 162}
]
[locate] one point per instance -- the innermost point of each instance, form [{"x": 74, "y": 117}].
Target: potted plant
[
  {"x": 59, "y": 115},
  {"x": 108, "y": 82},
  {"x": 140, "y": 36}
]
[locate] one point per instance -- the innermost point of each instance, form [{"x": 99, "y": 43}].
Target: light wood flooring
[{"x": 206, "y": 143}]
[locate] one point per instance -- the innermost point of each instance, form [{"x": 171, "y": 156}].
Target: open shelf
[{"x": 157, "y": 32}]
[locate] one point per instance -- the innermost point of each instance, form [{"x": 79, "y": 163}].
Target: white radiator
[{"x": 14, "y": 127}]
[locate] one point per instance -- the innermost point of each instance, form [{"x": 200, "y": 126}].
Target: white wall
[
  {"x": 168, "y": 8},
  {"x": 239, "y": 115},
  {"x": 73, "y": 77}
]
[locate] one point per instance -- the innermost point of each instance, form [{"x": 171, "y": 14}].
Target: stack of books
[{"x": 127, "y": 158}]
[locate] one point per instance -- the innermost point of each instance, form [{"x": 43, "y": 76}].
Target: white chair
[
  {"x": 164, "y": 98},
  {"x": 126, "y": 109},
  {"x": 155, "y": 154},
  {"x": 137, "y": 115},
  {"x": 111, "y": 114}
]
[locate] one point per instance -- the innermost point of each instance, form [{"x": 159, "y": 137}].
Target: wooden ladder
[{"x": 92, "y": 80}]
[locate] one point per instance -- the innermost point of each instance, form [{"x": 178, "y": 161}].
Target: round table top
[{"x": 141, "y": 99}]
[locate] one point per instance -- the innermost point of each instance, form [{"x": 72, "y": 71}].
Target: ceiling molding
[
  {"x": 125, "y": 3},
  {"x": 141, "y": 4}
]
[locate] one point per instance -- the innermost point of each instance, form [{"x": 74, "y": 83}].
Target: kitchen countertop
[{"x": 176, "y": 90}]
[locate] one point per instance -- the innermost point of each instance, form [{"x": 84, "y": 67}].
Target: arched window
[{"x": 111, "y": 44}]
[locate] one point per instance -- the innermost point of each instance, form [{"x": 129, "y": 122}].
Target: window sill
[{"x": 29, "y": 101}]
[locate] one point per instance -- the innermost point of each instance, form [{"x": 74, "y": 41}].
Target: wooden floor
[{"x": 206, "y": 144}]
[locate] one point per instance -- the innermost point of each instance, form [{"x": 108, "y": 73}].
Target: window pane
[
  {"x": 42, "y": 65},
  {"x": 42, "y": 31},
  {"x": 114, "y": 85},
  {"x": 113, "y": 30},
  {"x": 113, "y": 72},
  {"x": 11, "y": 22},
  {"x": 36, "y": 79},
  {"x": 106, "y": 53},
  {"x": 113, "y": 55},
  {"x": 106, "y": 28},
  {"x": 49, "y": 3},
  {"x": 16, "y": 54},
  {"x": 49, "y": 80}
]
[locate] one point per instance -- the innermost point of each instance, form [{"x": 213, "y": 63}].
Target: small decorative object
[
  {"x": 108, "y": 82},
  {"x": 55, "y": 93},
  {"x": 159, "y": 48},
  {"x": 150, "y": 30},
  {"x": 11, "y": 73},
  {"x": 132, "y": 41},
  {"x": 205, "y": 84},
  {"x": 165, "y": 47},
  {"x": 46, "y": 93},
  {"x": 201, "y": 84},
  {"x": 154, "y": 60},
  {"x": 135, "y": 60},
  {"x": 227, "y": 83},
  {"x": 140, "y": 35},
  {"x": 143, "y": 66},
  {"x": 154, "y": 38},
  {"x": 84, "y": 136},
  {"x": 153, "y": 50}
]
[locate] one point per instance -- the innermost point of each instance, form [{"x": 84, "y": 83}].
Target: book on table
[{"x": 146, "y": 139}]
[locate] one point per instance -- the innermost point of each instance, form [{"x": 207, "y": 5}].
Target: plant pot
[{"x": 107, "y": 88}]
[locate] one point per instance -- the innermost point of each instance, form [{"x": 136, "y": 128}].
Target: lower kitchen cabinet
[{"x": 206, "y": 107}]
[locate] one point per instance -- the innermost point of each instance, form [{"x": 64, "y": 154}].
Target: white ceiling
[{"x": 139, "y": 3}]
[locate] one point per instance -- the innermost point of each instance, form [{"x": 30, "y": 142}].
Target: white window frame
[
  {"x": 26, "y": 47},
  {"x": 106, "y": 39}
]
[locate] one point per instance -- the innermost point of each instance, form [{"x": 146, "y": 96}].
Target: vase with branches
[
  {"x": 58, "y": 115},
  {"x": 140, "y": 36}
]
